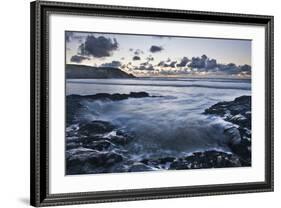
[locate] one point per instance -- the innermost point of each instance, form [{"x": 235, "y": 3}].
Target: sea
[{"x": 169, "y": 123}]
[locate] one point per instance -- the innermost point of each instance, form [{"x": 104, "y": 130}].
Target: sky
[{"x": 152, "y": 55}]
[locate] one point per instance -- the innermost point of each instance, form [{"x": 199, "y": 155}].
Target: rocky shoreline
[
  {"x": 74, "y": 106},
  {"x": 238, "y": 113},
  {"x": 100, "y": 147}
]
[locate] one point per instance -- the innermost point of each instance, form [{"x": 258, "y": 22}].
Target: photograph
[
  {"x": 135, "y": 103},
  {"x": 148, "y": 102}
]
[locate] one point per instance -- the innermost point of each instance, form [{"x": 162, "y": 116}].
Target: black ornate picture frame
[{"x": 40, "y": 106}]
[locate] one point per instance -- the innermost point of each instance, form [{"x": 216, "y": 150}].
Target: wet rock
[
  {"x": 121, "y": 138},
  {"x": 138, "y": 167},
  {"x": 243, "y": 149},
  {"x": 98, "y": 145},
  {"x": 95, "y": 127},
  {"x": 138, "y": 94},
  {"x": 237, "y": 112},
  {"x": 166, "y": 160},
  {"x": 72, "y": 145},
  {"x": 83, "y": 160},
  {"x": 207, "y": 159},
  {"x": 113, "y": 97},
  {"x": 162, "y": 163},
  {"x": 233, "y": 133},
  {"x": 240, "y": 105},
  {"x": 74, "y": 106}
]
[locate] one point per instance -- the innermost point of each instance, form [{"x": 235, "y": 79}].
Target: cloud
[
  {"x": 232, "y": 69},
  {"x": 183, "y": 62},
  {"x": 113, "y": 64},
  {"x": 197, "y": 62},
  {"x": 245, "y": 68},
  {"x": 154, "y": 49},
  {"x": 145, "y": 66},
  {"x": 210, "y": 63},
  {"x": 78, "y": 59},
  {"x": 136, "y": 58},
  {"x": 150, "y": 58},
  {"x": 202, "y": 63},
  {"x": 98, "y": 46},
  {"x": 168, "y": 63},
  {"x": 173, "y": 64},
  {"x": 161, "y": 63},
  {"x": 138, "y": 52}
]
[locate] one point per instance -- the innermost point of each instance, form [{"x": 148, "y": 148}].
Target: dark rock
[
  {"x": 237, "y": 112},
  {"x": 166, "y": 160},
  {"x": 138, "y": 94},
  {"x": 95, "y": 127},
  {"x": 98, "y": 145},
  {"x": 240, "y": 105},
  {"x": 243, "y": 149},
  {"x": 84, "y": 160},
  {"x": 207, "y": 159},
  {"x": 159, "y": 162},
  {"x": 121, "y": 138},
  {"x": 75, "y": 107},
  {"x": 72, "y": 145},
  {"x": 138, "y": 167},
  {"x": 113, "y": 97},
  {"x": 233, "y": 133}
]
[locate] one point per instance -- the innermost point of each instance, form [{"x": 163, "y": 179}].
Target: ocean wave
[{"x": 165, "y": 85}]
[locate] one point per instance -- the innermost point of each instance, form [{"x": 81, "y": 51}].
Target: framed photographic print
[{"x": 132, "y": 103}]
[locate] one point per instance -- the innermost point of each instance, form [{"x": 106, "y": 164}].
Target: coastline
[{"x": 100, "y": 147}]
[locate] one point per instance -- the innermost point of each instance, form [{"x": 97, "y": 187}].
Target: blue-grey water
[{"x": 173, "y": 124}]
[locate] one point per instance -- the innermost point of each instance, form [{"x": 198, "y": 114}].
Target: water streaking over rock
[
  {"x": 237, "y": 112},
  {"x": 74, "y": 105},
  {"x": 100, "y": 140}
]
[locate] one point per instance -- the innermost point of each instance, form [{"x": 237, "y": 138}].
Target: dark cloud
[
  {"x": 154, "y": 49},
  {"x": 161, "y": 63},
  {"x": 167, "y": 63},
  {"x": 98, "y": 46},
  {"x": 138, "y": 52},
  {"x": 210, "y": 63},
  {"x": 145, "y": 66},
  {"x": 136, "y": 58},
  {"x": 233, "y": 69},
  {"x": 202, "y": 64},
  {"x": 230, "y": 68},
  {"x": 183, "y": 62},
  {"x": 197, "y": 62},
  {"x": 113, "y": 64},
  {"x": 245, "y": 68},
  {"x": 78, "y": 59},
  {"x": 150, "y": 58},
  {"x": 173, "y": 64}
]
